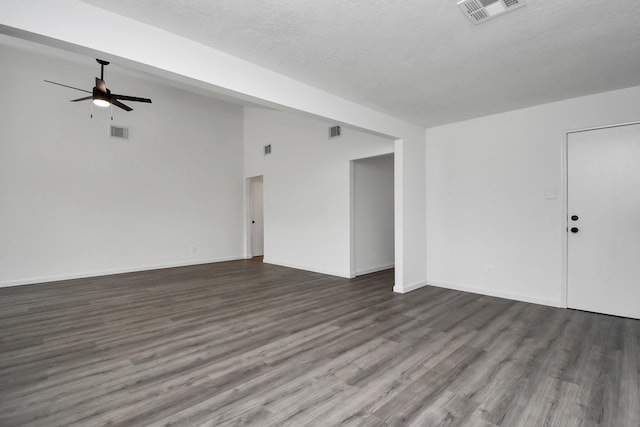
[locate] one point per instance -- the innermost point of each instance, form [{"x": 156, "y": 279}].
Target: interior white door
[
  {"x": 257, "y": 216},
  {"x": 604, "y": 220}
]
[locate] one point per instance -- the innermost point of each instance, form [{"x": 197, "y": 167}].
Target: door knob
[
  {"x": 574, "y": 217},
  {"x": 574, "y": 229}
]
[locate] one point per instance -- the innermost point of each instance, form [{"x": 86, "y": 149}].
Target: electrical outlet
[
  {"x": 194, "y": 249},
  {"x": 489, "y": 269}
]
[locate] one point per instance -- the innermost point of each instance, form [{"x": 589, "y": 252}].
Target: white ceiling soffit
[
  {"x": 117, "y": 67},
  {"x": 418, "y": 60},
  {"x": 482, "y": 10}
]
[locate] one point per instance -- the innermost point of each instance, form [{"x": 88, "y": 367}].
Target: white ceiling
[{"x": 419, "y": 60}]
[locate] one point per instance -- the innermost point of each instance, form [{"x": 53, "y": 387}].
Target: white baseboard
[
  {"x": 58, "y": 278},
  {"x": 409, "y": 288},
  {"x": 374, "y": 269},
  {"x": 300, "y": 267},
  {"x": 491, "y": 293}
]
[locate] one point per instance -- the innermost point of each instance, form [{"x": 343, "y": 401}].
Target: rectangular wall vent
[
  {"x": 334, "y": 131},
  {"x": 267, "y": 149},
  {"x": 119, "y": 132},
  {"x": 482, "y": 10}
]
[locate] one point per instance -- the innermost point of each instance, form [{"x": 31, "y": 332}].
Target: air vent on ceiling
[
  {"x": 334, "y": 131},
  {"x": 482, "y": 10},
  {"x": 119, "y": 132}
]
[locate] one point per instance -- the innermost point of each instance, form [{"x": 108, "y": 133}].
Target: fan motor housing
[{"x": 98, "y": 94}]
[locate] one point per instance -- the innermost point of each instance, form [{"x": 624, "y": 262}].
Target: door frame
[
  {"x": 352, "y": 213},
  {"x": 564, "y": 201}
]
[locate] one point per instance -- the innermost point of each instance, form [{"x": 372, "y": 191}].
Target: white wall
[
  {"x": 410, "y": 227},
  {"x": 486, "y": 184},
  {"x": 373, "y": 213},
  {"x": 306, "y": 187},
  {"x": 74, "y": 202}
]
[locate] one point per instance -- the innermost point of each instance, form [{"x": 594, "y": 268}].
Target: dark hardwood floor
[{"x": 242, "y": 343}]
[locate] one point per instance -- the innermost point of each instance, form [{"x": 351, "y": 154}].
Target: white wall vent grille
[
  {"x": 119, "y": 132},
  {"x": 482, "y": 10},
  {"x": 335, "y": 131}
]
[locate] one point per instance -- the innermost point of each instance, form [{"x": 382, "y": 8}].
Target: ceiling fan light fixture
[
  {"x": 101, "y": 102},
  {"x": 100, "y": 98}
]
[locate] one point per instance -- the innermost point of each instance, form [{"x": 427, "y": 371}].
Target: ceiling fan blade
[
  {"x": 130, "y": 98},
  {"x": 121, "y": 105},
  {"x": 70, "y": 87},
  {"x": 101, "y": 85},
  {"x": 82, "y": 99}
]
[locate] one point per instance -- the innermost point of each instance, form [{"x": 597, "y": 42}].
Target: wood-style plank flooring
[{"x": 242, "y": 343}]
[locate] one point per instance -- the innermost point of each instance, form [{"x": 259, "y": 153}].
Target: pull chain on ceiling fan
[{"x": 101, "y": 96}]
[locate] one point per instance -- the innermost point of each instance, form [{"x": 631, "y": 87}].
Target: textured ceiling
[{"x": 419, "y": 60}]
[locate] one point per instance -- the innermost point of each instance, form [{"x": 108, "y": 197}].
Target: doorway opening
[{"x": 372, "y": 214}]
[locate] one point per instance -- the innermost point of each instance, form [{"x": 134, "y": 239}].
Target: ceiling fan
[{"x": 101, "y": 96}]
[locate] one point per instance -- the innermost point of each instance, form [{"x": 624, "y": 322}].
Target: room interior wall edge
[{"x": 89, "y": 274}]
